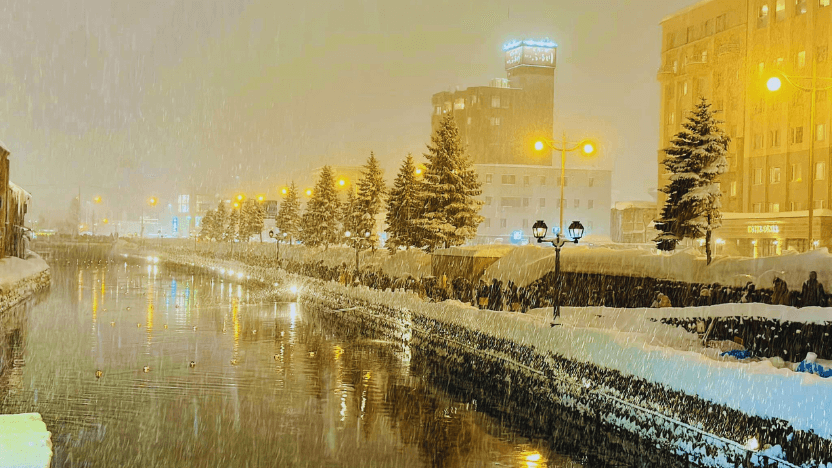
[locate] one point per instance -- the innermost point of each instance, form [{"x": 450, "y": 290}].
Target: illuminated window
[
  {"x": 704, "y": 57},
  {"x": 801, "y": 59},
  {"x": 820, "y": 204},
  {"x": 797, "y": 173},
  {"x": 758, "y": 176},
  {"x": 757, "y": 207},
  {"x": 796, "y": 135},
  {"x": 762, "y": 16},
  {"x": 495, "y": 121},
  {"x": 495, "y": 101},
  {"x": 733, "y": 188},
  {"x": 773, "y": 207},
  {"x": 774, "y": 138},
  {"x": 799, "y": 7},
  {"x": 774, "y": 175},
  {"x": 184, "y": 202},
  {"x": 675, "y": 66},
  {"x": 469, "y": 120},
  {"x": 459, "y": 104},
  {"x": 823, "y": 3},
  {"x": 820, "y": 171},
  {"x": 438, "y": 110},
  {"x": 820, "y": 132},
  {"x": 780, "y": 10},
  {"x": 685, "y": 88},
  {"x": 761, "y": 68}
]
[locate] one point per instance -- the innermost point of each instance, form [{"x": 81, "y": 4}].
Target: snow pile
[
  {"x": 525, "y": 264},
  {"x": 816, "y": 315},
  {"x": 410, "y": 262},
  {"x": 486, "y": 250},
  {"x": 14, "y": 270},
  {"x": 24, "y": 441}
]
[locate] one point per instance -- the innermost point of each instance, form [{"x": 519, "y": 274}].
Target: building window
[
  {"x": 511, "y": 202},
  {"x": 733, "y": 188},
  {"x": 525, "y": 202},
  {"x": 508, "y": 179},
  {"x": 469, "y": 120},
  {"x": 823, "y": 3},
  {"x": 780, "y": 10},
  {"x": 820, "y": 132},
  {"x": 799, "y": 7},
  {"x": 691, "y": 34},
  {"x": 495, "y": 101},
  {"x": 565, "y": 181},
  {"x": 774, "y": 138},
  {"x": 487, "y": 223},
  {"x": 526, "y": 180},
  {"x": 495, "y": 121},
  {"x": 488, "y": 178},
  {"x": 761, "y": 68},
  {"x": 438, "y": 110},
  {"x": 591, "y": 181},
  {"x": 797, "y": 173},
  {"x": 542, "y": 180},
  {"x": 778, "y": 62},
  {"x": 774, "y": 175},
  {"x": 758, "y": 140},
  {"x": 773, "y": 207},
  {"x": 590, "y": 204},
  {"x": 577, "y": 203},
  {"x": 757, "y": 207},
  {"x": 685, "y": 88},
  {"x": 503, "y": 223},
  {"x": 820, "y": 171},
  {"x": 542, "y": 202},
  {"x": 459, "y": 104},
  {"x": 820, "y": 204},
  {"x": 709, "y": 27},
  {"x": 801, "y": 59},
  {"x": 488, "y": 201},
  {"x": 758, "y": 176},
  {"x": 675, "y": 66},
  {"x": 704, "y": 57},
  {"x": 796, "y": 135},
  {"x": 762, "y": 16}
]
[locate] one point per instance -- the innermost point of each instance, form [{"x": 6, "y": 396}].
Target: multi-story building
[
  {"x": 726, "y": 50},
  {"x": 499, "y": 124},
  {"x": 633, "y": 222}
]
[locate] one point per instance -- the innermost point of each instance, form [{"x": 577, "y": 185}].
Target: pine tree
[
  {"x": 320, "y": 224},
  {"x": 695, "y": 158},
  {"x": 208, "y": 225},
  {"x": 232, "y": 228},
  {"x": 288, "y": 218},
  {"x": 220, "y": 223},
  {"x": 369, "y": 201},
  {"x": 451, "y": 213},
  {"x": 403, "y": 207},
  {"x": 350, "y": 215},
  {"x": 251, "y": 221}
]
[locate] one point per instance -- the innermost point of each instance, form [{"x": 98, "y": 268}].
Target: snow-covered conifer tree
[
  {"x": 451, "y": 213},
  {"x": 288, "y": 218},
  {"x": 208, "y": 225},
  {"x": 403, "y": 207},
  {"x": 349, "y": 214},
  {"x": 369, "y": 201},
  {"x": 251, "y": 221},
  {"x": 695, "y": 158},
  {"x": 220, "y": 223},
  {"x": 320, "y": 221},
  {"x": 232, "y": 228}
]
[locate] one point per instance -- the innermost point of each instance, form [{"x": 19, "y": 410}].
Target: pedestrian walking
[{"x": 813, "y": 294}]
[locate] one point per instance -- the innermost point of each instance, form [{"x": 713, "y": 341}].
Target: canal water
[{"x": 138, "y": 366}]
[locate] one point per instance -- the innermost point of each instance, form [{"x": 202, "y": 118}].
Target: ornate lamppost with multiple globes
[{"x": 576, "y": 231}]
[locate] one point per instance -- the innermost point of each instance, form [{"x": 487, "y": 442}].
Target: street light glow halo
[
  {"x": 774, "y": 83},
  {"x": 588, "y": 147},
  {"x": 538, "y": 145}
]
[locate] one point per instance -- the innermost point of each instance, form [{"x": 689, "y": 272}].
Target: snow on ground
[
  {"x": 525, "y": 264},
  {"x": 24, "y": 441},
  {"x": 14, "y": 269}
]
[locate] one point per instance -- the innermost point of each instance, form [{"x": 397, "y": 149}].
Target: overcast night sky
[{"x": 155, "y": 97}]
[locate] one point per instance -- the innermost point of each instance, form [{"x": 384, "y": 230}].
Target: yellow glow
[
  {"x": 533, "y": 457},
  {"x": 261, "y": 198},
  {"x": 97, "y": 199},
  {"x": 236, "y": 204},
  {"x": 773, "y": 83},
  {"x": 342, "y": 182},
  {"x": 588, "y": 148},
  {"x": 538, "y": 145},
  {"x": 418, "y": 170},
  {"x": 152, "y": 201},
  {"x": 106, "y": 220},
  {"x": 308, "y": 192},
  {"x": 284, "y": 191}
]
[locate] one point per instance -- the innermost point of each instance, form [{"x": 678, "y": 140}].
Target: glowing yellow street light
[
  {"x": 773, "y": 83},
  {"x": 236, "y": 204},
  {"x": 309, "y": 192},
  {"x": 97, "y": 199},
  {"x": 342, "y": 182},
  {"x": 261, "y": 198},
  {"x": 538, "y": 145},
  {"x": 588, "y": 148},
  {"x": 152, "y": 201},
  {"x": 239, "y": 198},
  {"x": 106, "y": 220},
  {"x": 284, "y": 191}
]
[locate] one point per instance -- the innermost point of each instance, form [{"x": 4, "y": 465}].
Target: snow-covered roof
[
  {"x": 640, "y": 204},
  {"x": 20, "y": 191}
]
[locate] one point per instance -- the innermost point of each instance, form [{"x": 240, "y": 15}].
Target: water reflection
[{"x": 270, "y": 386}]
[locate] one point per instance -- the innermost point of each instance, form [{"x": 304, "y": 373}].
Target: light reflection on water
[{"x": 269, "y": 387}]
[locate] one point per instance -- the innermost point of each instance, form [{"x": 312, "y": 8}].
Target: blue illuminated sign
[
  {"x": 516, "y": 237},
  {"x": 175, "y": 224}
]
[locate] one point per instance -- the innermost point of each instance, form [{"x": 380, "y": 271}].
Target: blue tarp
[
  {"x": 814, "y": 368},
  {"x": 738, "y": 353}
]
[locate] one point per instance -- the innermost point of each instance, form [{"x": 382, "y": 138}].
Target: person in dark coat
[
  {"x": 813, "y": 294},
  {"x": 780, "y": 292}
]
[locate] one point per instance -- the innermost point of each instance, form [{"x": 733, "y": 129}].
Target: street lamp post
[
  {"x": 355, "y": 242},
  {"x": 773, "y": 84},
  {"x": 274, "y": 235},
  {"x": 586, "y": 146},
  {"x": 576, "y": 231}
]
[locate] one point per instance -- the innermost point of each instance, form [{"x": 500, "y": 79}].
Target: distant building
[
  {"x": 726, "y": 50},
  {"x": 633, "y": 222},
  {"x": 517, "y": 195},
  {"x": 499, "y": 124},
  {"x": 14, "y": 204}
]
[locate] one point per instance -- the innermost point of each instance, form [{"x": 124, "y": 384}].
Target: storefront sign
[{"x": 764, "y": 229}]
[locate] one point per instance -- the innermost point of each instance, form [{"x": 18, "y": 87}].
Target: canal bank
[
  {"x": 20, "y": 279},
  {"x": 535, "y": 368}
]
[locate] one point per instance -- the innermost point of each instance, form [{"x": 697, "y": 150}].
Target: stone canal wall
[
  {"x": 20, "y": 279},
  {"x": 541, "y": 390}
]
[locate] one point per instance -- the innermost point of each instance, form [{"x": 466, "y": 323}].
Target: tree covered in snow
[
  {"x": 288, "y": 218},
  {"x": 450, "y": 214},
  {"x": 320, "y": 223},
  {"x": 208, "y": 226},
  {"x": 220, "y": 221},
  {"x": 695, "y": 158},
  {"x": 251, "y": 221},
  {"x": 232, "y": 227},
  {"x": 403, "y": 207},
  {"x": 369, "y": 201},
  {"x": 349, "y": 214}
]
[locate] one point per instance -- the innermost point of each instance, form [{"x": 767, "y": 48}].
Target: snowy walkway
[{"x": 24, "y": 441}]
